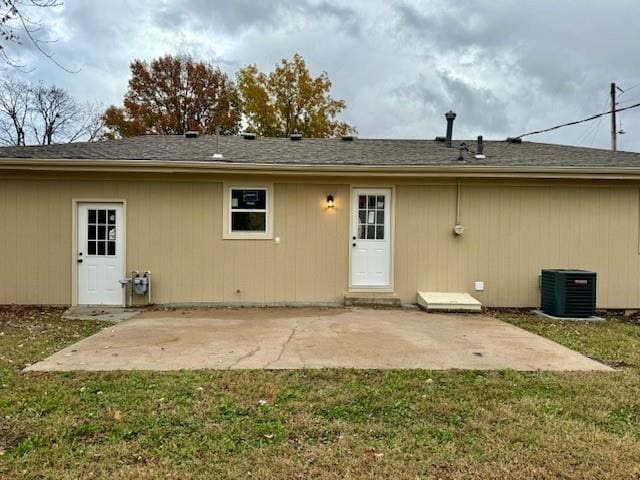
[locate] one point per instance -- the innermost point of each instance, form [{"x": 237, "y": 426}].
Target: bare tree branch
[
  {"x": 39, "y": 114},
  {"x": 14, "y": 11}
]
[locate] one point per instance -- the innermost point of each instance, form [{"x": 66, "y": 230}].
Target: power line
[
  {"x": 593, "y": 117},
  {"x": 630, "y": 88},
  {"x": 628, "y": 101},
  {"x": 592, "y": 128}
]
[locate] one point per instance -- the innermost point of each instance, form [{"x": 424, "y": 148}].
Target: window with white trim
[{"x": 248, "y": 210}]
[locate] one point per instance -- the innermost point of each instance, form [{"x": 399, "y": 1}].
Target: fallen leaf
[
  {"x": 262, "y": 402},
  {"x": 268, "y": 435},
  {"x": 429, "y": 380},
  {"x": 2, "y": 451},
  {"x": 117, "y": 415}
]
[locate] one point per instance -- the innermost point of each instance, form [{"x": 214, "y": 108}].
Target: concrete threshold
[
  {"x": 371, "y": 299},
  {"x": 100, "y": 313}
]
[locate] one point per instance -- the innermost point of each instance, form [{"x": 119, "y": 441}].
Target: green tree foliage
[{"x": 289, "y": 100}]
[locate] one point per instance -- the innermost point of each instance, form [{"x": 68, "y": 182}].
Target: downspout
[
  {"x": 458, "y": 228},
  {"x": 457, "y": 201}
]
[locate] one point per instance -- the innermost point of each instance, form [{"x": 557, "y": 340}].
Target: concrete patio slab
[{"x": 285, "y": 338}]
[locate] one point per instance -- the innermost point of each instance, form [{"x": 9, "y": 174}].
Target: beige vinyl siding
[
  {"x": 511, "y": 233},
  {"x": 174, "y": 228}
]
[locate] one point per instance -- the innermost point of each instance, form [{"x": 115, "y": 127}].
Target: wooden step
[{"x": 371, "y": 299}]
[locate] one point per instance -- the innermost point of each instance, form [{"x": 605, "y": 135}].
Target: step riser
[{"x": 369, "y": 301}]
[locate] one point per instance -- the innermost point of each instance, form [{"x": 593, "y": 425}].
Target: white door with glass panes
[
  {"x": 371, "y": 237},
  {"x": 99, "y": 256}
]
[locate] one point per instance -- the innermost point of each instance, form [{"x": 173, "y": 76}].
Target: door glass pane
[
  {"x": 101, "y": 227},
  {"x": 371, "y": 217}
]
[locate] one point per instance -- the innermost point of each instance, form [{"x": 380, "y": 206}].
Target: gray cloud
[{"x": 506, "y": 67}]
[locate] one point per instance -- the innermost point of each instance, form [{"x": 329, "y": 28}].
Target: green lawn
[{"x": 318, "y": 424}]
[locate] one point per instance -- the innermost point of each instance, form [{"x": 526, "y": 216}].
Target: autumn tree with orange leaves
[
  {"x": 173, "y": 95},
  {"x": 289, "y": 100}
]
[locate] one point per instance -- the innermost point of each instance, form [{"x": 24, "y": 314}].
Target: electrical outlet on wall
[{"x": 479, "y": 286}]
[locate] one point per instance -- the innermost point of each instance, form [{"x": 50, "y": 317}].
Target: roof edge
[{"x": 180, "y": 166}]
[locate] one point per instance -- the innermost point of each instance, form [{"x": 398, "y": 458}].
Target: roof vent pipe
[
  {"x": 480, "y": 147},
  {"x": 217, "y": 155},
  {"x": 450, "y": 116}
]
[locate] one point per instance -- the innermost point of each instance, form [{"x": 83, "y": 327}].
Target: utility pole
[{"x": 614, "y": 142}]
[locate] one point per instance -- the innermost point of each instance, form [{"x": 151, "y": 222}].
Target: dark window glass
[
  {"x": 101, "y": 248},
  {"x": 111, "y": 217},
  {"x": 102, "y": 232},
  {"x": 92, "y": 232},
  {"x": 362, "y": 201},
  {"x": 380, "y": 232},
  {"x": 91, "y": 248},
  {"x": 380, "y": 201},
  {"x": 102, "y": 216},
  {"x": 372, "y": 201},
  {"x": 362, "y": 214},
  {"x": 371, "y": 232},
  {"x": 248, "y": 199},
  {"x": 111, "y": 233},
  {"x": 111, "y": 248},
  {"x": 249, "y": 221},
  {"x": 92, "y": 216},
  {"x": 362, "y": 230},
  {"x": 380, "y": 217}
]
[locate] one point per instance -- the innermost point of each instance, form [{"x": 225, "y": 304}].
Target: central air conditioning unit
[{"x": 568, "y": 293}]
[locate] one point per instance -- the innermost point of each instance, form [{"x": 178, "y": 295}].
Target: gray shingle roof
[{"x": 328, "y": 152}]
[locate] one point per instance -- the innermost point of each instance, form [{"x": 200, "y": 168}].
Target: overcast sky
[{"x": 505, "y": 67}]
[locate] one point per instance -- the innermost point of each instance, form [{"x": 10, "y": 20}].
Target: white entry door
[
  {"x": 100, "y": 257},
  {"x": 371, "y": 237}
]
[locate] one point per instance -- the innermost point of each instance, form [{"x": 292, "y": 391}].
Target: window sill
[{"x": 247, "y": 236}]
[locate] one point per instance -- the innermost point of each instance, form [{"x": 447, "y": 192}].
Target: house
[{"x": 246, "y": 220}]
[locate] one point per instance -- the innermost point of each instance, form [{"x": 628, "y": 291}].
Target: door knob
[
  {"x": 354, "y": 237},
  {"x": 354, "y": 244}
]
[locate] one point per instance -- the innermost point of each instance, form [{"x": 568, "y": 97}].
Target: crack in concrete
[
  {"x": 250, "y": 354},
  {"x": 285, "y": 344}
]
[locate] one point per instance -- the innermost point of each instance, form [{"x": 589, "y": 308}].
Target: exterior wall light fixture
[{"x": 330, "y": 201}]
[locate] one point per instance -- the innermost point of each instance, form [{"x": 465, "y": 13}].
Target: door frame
[
  {"x": 75, "y": 204},
  {"x": 392, "y": 228}
]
